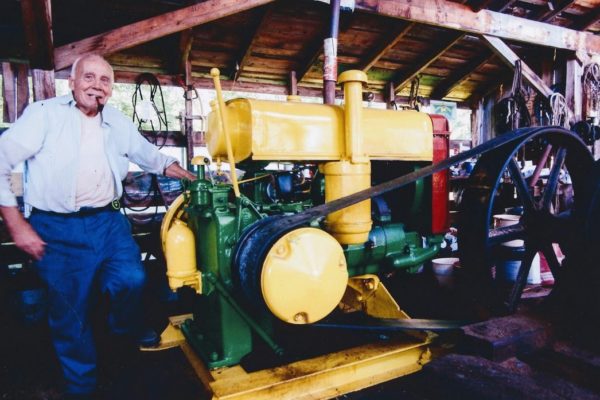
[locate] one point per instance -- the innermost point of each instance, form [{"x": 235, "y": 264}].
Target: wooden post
[
  {"x": 389, "y": 95},
  {"x": 43, "y": 84},
  {"x": 188, "y": 122},
  {"x": 293, "y": 84},
  {"x": 573, "y": 90},
  {"x": 15, "y": 90}
]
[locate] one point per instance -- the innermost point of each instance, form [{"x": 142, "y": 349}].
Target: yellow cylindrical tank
[
  {"x": 180, "y": 253},
  {"x": 281, "y": 131},
  {"x": 350, "y": 225}
]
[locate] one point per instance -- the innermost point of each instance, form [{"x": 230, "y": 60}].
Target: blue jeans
[{"x": 83, "y": 254}]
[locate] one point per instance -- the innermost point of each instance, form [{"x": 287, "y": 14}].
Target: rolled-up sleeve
[{"x": 20, "y": 142}]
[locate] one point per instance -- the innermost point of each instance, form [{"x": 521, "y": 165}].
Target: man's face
[{"x": 92, "y": 85}]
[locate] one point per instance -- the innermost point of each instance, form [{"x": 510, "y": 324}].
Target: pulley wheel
[{"x": 499, "y": 184}]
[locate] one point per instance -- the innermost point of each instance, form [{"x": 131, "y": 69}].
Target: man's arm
[
  {"x": 175, "y": 171},
  {"x": 22, "y": 233}
]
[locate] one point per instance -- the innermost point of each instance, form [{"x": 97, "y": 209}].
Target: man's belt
[{"x": 114, "y": 205}]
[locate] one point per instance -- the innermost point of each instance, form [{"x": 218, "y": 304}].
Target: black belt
[{"x": 115, "y": 205}]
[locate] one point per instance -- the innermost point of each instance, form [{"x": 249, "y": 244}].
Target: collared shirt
[{"x": 47, "y": 136}]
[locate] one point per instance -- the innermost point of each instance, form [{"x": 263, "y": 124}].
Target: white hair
[{"x": 86, "y": 56}]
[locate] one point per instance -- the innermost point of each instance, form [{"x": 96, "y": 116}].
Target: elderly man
[{"x": 77, "y": 150}]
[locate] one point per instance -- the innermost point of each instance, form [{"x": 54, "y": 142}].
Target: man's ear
[{"x": 71, "y": 83}]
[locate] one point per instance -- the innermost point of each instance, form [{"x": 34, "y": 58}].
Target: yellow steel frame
[{"x": 322, "y": 377}]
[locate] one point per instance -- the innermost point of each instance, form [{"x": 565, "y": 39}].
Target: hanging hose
[
  {"x": 143, "y": 113},
  {"x": 591, "y": 89},
  {"x": 560, "y": 110}
]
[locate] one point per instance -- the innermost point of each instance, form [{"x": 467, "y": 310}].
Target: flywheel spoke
[
  {"x": 551, "y": 258},
  {"x": 521, "y": 185},
  {"x": 517, "y": 289},
  {"x": 552, "y": 184}
]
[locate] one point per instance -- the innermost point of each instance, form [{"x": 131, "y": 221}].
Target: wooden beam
[
  {"x": 461, "y": 75},
  {"x": 15, "y": 90},
  {"x": 510, "y": 58},
  {"x": 252, "y": 38},
  {"x": 426, "y": 60},
  {"x": 37, "y": 23},
  {"x": 152, "y": 28},
  {"x": 385, "y": 46},
  {"x": 457, "y": 16},
  {"x": 43, "y": 84}
]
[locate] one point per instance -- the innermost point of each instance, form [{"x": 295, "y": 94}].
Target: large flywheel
[{"x": 541, "y": 199}]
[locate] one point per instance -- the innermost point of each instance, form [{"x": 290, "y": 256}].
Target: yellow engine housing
[{"x": 280, "y": 131}]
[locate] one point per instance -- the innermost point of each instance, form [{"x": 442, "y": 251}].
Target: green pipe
[
  {"x": 253, "y": 325},
  {"x": 418, "y": 256}
]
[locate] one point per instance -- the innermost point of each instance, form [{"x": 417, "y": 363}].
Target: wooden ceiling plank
[
  {"x": 457, "y": 16},
  {"x": 461, "y": 75},
  {"x": 253, "y": 38},
  {"x": 425, "y": 61},
  {"x": 380, "y": 51},
  {"x": 37, "y": 23},
  {"x": 152, "y": 28}
]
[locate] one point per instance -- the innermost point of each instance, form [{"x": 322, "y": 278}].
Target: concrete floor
[{"x": 547, "y": 362}]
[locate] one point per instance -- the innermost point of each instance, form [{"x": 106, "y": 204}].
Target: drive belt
[
  {"x": 255, "y": 242},
  {"x": 393, "y": 324}
]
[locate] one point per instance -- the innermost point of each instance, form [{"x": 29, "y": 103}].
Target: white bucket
[
  {"x": 501, "y": 220},
  {"x": 443, "y": 269},
  {"x": 508, "y": 270}
]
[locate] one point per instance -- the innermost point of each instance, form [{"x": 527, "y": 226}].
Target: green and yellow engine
[{"x": 296, "y": 156}]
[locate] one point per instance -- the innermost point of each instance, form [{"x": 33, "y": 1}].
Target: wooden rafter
[
  {"x": 314, "y": 54},
  {"x": 587, "y": 20},
  {"x": 152, "y": 28},
  {"x": 384, "y": 47},
  {"x": 510, "y": 58},
  {"x": 508, "y": 4},
  {"x": 460, "y": 17},
  {"x": 461, "y": 75},
  {"x": 37, "y": 22},
  {"x": 252, "y": 36},
  {"x": 426, "y": 60},
  {"x": 549, "y": 13}
]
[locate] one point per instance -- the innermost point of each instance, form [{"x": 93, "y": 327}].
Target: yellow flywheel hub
[{"x": 304, "y": 276}]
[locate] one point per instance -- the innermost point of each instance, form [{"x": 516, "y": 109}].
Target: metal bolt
[
  {"x": 369, "y": 284},
  {"x": 301, "y": 317}
]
